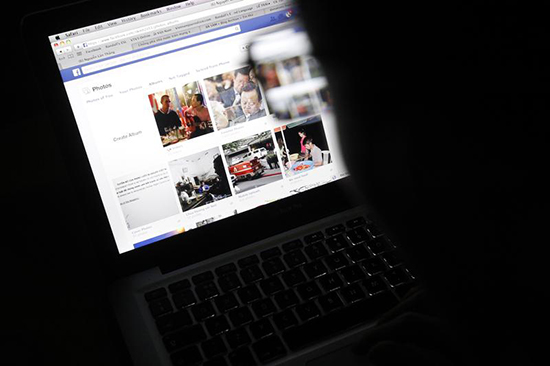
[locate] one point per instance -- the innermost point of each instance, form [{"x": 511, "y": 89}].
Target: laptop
[{"x": 201, "y": 142}]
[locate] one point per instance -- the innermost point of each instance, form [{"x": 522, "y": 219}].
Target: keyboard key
[
  {"x": 285, "y": 319},
  {"x": 263, "y": 307},
  {"x": 203, "y": 311},
  {"x": 248, "y": 261},
  {"x": 179, "y": 286},
  {"x": 380, "y": 246},
  {"x": 352, "y": 274},
  {"x": 271, "y": 286},
  {"x": 229, "y": 282},
  {"x": 330, "y": 302},
  {"x": 312, "y": 238},
  {"x": 293, "y": 277},
  {"x": 373, "y": 265},
  {"x": 392, "y": 259},
  {"x": 160, "y": 307},
  {"x": 286, "y": 299},
  {"x": 240, "y": 316},
  {"x": 213, "y": 347},
  {"x": 241, "y": 357},
  {"x": 249, "y": 294},
  {"x": 331, "y": 282},
  {"x": 226, "y": 302},
  {"x": 207, "y": 290},
  {"x": 184, "y": 337},
  {"x": 262, "y": 328},
  {"x": 251, "y": 274},
  {"x": 225, "y": 269},
  {"x": 358, "y": 235},
  {"x": 269, "y": 349},
  {"x": 309, "y": 290},
  {"x": 237, "y": 338},
  {"x": 375, "y": 284},
  {"x": 308, "y": 311},
  {"x": 273, "y": 266},
  {"x": 170, "y": 322},
  {"x": 202, "y": 277},
  {"x": 336, "y": 261},
  {"x": 315, "y": 269},
  {"x": 155, "y": 294},
  {"x": 217, "y": 325},
  {"x": 396, "y": 276},
  {"x": 270, "y": 253},
  {"x": 352, "y": 293},
  {"x": 338, "y": 321},
  {"x": 290, "y": 246},
  {"x": 294, "y": 258},
  {"x": 316, "y": 250},
  {"x": 184, "y": 299},
  {"x": 357, "y": 253},
  {"x": 374, "y": 230},
  {"x": 337, "y": 243},
  {"x": 336, "y": 229},
  {"x": 358, "y": 221},
  {"x": 189, "y": 356}
]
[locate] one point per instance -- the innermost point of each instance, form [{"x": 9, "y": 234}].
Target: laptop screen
[{"x": 176, "y": 125}]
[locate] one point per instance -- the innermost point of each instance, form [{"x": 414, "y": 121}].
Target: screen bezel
[{"x": 173, "y": 252}]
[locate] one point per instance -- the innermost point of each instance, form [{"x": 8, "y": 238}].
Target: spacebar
[{"x": 338, "y": 321}]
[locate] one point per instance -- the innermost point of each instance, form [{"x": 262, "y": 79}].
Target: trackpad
[{"x": 342, "y": 356}]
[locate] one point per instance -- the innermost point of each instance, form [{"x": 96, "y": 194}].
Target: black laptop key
[
  {"x": 315, "y": 269},
  {"x": 375, "y": 284},
  {"x": 184, "y": 337},
  {"x": 217, "y": 325},
  {"x": 273, "y": 266},
  {"x": 392, "y": 259},
  {"x": 293, "y": 277},
  {"x": 309, "y": 290},
  {"x": 202, "y": 277},
  {"x": 285, "y": 319},
  {"x": 249, "y": 294},
  {"x": 352, "y": 273},
  {"x": 331, "y": 282},
  {"x": 157, "y": 294},
  {"x": 312, "y": 238},
  {"x": 269, "y": 349},
  {"x": 358, "y": 235},
  {"x": 294, "y": 258},
  {"x": 207, "y": 290},
  {"x": 357, "y": 253},
  {"x": 238, "y": 337},
  {"x": 213, "y": 347},
  {"x": 270, "y": 253},
  {"x": 263, "y": 307},
  {"x": 292, "y": 245},
  {"x": 373, "y": 265},
  {"x": 160, "y": 307},
  {"x": 262, "y": 328},
  {"x": 374, "y": 230},
  {"x": 225, "y": 269},
  {"x": 336, "y": 229},
  {"x": 189, "y": 356},
  {"x": 271, "y": 286},
  {"x": 316, "y": 250},
  {"x": 358, "y": 221},
  {"x": 337, "y": 243},
  {"x": 240, "y": 316},
  {"x": 286, "y": 299},
  {"x": 330, "y": 302},
  {"x": 184, "y": 299},
  {"x": 396, "y": 276},
  {"x": 170, "y": 322},
  {"x": 379, "y": 246},
  {"x": 203, "y": 311},
  {"x": 338, "y": 321},
  {"x": 251, "y": 274},
  {"x": 308, "y": 311},
  {"x": 179, "y": 286},
  {"x": 336, "y": 261},
  {"x": 229, "y": 282},
  {"x": 352, "y": 293},
  {"x": 226, "y": 302},
  {"x": 241, "y": 357},
  {"x": 248, "y": 261}
]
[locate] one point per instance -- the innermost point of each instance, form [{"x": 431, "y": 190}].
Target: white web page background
[{"x": 130, "y": 164}]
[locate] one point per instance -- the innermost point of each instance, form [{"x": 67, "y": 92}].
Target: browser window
[{"x": 175, "y": 123}]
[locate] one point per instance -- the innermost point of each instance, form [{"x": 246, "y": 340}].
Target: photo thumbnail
[
  {"x": 252, "y": 161},
  {"x": 303, "y": 146},
  {"x": 181, "y": 113},
  {"x": 200, "y": 179},
  {"x": 294, "y": 87},
  {"x": 235, "y": 97}
]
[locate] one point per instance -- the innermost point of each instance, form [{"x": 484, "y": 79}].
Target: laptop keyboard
[{"x": 266, "y": 305}]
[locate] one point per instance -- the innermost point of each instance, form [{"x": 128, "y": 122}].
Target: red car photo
[{"x": 247, "y": 169}]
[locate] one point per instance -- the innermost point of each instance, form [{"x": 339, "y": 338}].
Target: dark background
[{"x": 53, "y": 294}]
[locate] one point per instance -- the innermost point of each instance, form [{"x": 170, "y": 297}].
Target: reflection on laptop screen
[{"x": 176, "y": 125}]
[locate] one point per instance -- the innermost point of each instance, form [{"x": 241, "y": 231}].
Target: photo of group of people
[
  {"x": 181, "y": 113},
  {"x": 296, "y": 87},
  {"x": 303, "y": 146},
  {"x": 228, "y": 99}
]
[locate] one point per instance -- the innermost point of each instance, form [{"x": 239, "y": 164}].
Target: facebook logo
[{"x": 76, "y": 72}]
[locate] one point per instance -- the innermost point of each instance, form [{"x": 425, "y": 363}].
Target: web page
[{"x": 179, "y": 135}]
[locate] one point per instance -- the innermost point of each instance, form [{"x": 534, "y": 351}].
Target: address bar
[{"x": 210, "y": 36}]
